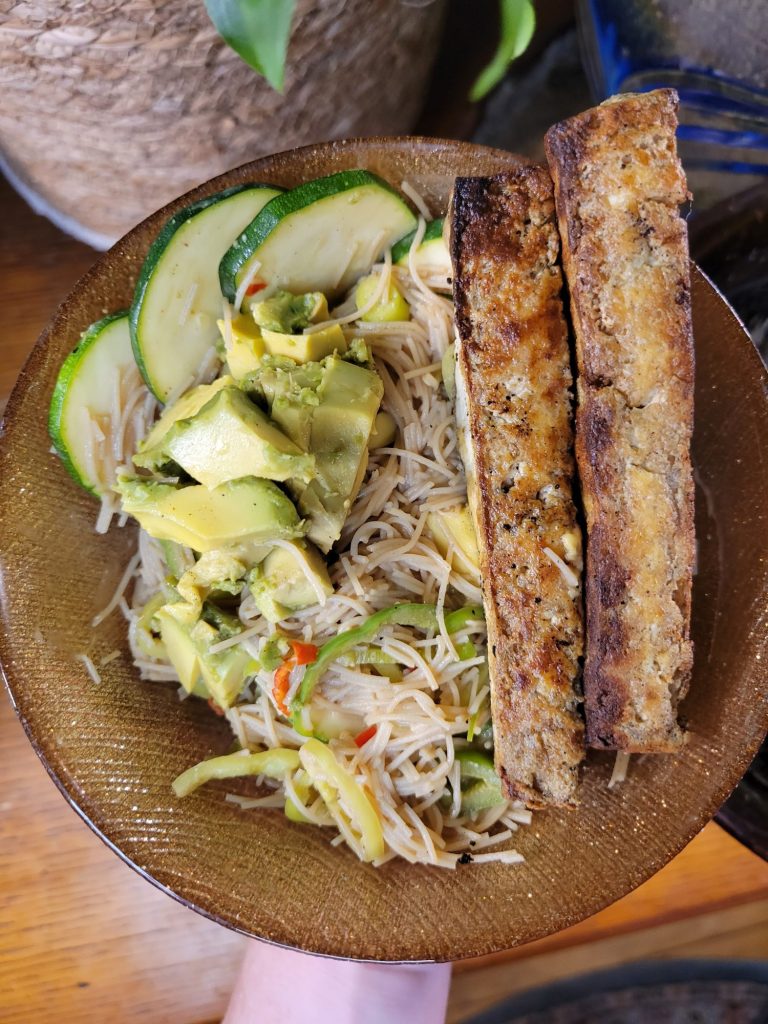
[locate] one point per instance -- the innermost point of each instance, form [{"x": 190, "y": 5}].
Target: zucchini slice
[
  {"x": 432, "y": 254},
  {"x": 85, "y": 385},
  {"x": 321, "y": 236},
  {"x": 177, "y": 300}
]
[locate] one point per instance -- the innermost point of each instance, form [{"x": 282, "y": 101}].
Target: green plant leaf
[
  {"x": 258, "y": 31},
  {"x": 518, "y": 20}
]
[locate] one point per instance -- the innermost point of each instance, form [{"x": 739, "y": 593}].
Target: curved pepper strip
[
  {"x": 480, "y": 785},
  {"x": 343, "y": 797},
  {"x": 454, "y": 621},
  {"x": 274, "y": 763},
  {"x": 420, "y": 616}
]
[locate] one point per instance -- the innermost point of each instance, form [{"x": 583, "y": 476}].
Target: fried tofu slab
[
  {"x": 618, "y": 189},
  {"x": 513, "y": 411}
]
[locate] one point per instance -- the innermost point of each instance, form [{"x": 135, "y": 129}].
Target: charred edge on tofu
[
  {"x": 515, "y": 368},
  {"x": 619, "y": 186}
]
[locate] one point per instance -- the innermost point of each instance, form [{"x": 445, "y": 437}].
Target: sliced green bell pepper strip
[
  {"x": 454, "y": 621},
  {"x": 367, "y": 655},
  {"x": 274, "y": 763},
  {"x": 345, "y": 799},
  {"x": 480, "y": 785},
  {"x": 466, "y": 650},
  {"x": 420, "y": 616}
]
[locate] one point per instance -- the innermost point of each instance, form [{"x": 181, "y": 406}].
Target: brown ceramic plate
[{"x": 114, "y": 749}]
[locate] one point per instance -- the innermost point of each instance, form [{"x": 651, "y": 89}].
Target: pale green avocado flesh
[
  {"x": 244, "y": 511},
  {"x": 184, "y": 408},
  {"x": 228, "y": 438},
  {"x": 290, "y": 578},
  {"x": 287, "y": 313},
  {"x": 349, "y": 398},
  {"x": 329, "y": 408},
  {"x": 223, "y": 674}
]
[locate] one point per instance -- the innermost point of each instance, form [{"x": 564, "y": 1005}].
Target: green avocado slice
[
  {"x": 228, "y": 438},
  {"x": 240, "y": 512}
]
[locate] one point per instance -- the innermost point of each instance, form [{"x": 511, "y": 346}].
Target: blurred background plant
[
  {"x": 111, "y": 109},
  {"x": 259, "y": 30}
]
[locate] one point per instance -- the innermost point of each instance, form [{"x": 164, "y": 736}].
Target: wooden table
[{"x": 83, "y": 939}]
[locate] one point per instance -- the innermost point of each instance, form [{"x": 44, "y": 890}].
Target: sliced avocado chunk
[
  {"x": 305, "y": 348},
  {"x": 225, "y": 623},
  {"x": 239, "y": 512},
  {"x": 329, "y": 409},
  {"x": 228, "y": 438},
  {"x": 244, "y": 346},
  {"x": 188, "y": 648},
  {"x": 284, "y": 320},
  {"x": 384, "y": 430},
  {"x": 225, "y": 673},
  {"x": 390, "y": 306},
  {"x": 218, "y": 571},
  {"x": 190, "y": 403},
  {"x": 359, "y": 352},
  {"x": 320, "y": 236},
  {"x": 175, "y": 558},
  {"x": 180, "y": 648},
  {"x": 290, "y": 578},
  {"x": 145, "y": 630},
  {"x": 349, "y": 398},
  {"x": 453, "y": 529},
  {"x": 286, "y": 313},
  {"x": 290, "y": 392}
]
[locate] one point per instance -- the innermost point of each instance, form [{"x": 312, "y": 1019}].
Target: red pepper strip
[
  {"x": 215, "y": 708},
  {"x": 365, "y": 735},
  {"x": 303, "y": 654},
  {"x": 282, "y": 685},
  {"x": 257, "y": 286}
]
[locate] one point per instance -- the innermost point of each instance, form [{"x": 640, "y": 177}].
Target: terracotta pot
[{"x": 111, "y": 109}]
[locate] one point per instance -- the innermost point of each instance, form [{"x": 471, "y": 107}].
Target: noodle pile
[{"x": 385, "y": 556}]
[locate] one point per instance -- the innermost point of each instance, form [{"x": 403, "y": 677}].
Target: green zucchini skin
[
  {"x": 265, "y": 222},
  {"x": 57, "y": 427},
  {"x": 433, "y": 230},
  {"x": 153, "y": 261}
]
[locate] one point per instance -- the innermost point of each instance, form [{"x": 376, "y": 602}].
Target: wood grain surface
[{"x": 82, "y": 938}]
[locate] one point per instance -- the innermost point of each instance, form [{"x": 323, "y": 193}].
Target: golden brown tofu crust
[
  {"x": 514, "y": 417},
  {"x": 618, "y": 188}
]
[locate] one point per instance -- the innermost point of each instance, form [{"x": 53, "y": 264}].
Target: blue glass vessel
[{"x": 715, "y": 54}]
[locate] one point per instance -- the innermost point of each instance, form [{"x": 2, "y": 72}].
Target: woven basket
[{"x": 113, "y": 107}]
